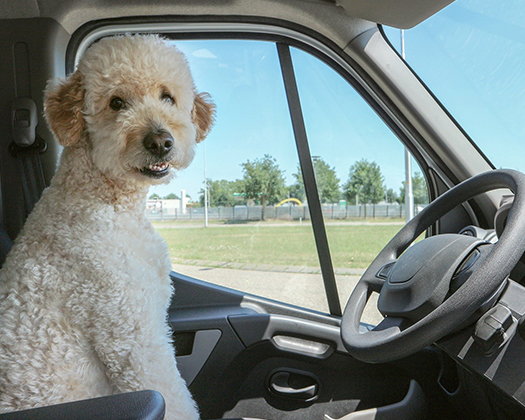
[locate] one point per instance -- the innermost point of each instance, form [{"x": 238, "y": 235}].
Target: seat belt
[{"x": 26, "y": 147}]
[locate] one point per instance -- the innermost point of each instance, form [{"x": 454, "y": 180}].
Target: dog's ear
[
  {"x": 203, "y": 115},
  {"x": 63, "y": 109}
]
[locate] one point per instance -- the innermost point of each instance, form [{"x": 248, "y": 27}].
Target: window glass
[
  {"x": 472, "y": 55},
  {"x": 249, "y": 159},
  {"x": 360, "y": 171}
]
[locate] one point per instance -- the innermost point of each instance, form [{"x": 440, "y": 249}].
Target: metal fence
[{"x": 254, "y": 213}]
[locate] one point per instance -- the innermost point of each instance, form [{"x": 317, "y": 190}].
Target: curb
[{"x": 268, "y": 267}]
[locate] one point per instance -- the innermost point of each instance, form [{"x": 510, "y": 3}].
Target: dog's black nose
[{"x": 158, "y": 142}]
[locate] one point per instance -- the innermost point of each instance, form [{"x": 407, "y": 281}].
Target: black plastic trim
[{"x": 140, "y": 405}]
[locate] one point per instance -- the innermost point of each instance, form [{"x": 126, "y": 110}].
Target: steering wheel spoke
[
  {"x": 396, "y": 324},
  {"x": 384, "y": 271},
  {"x": 373, "y": 283}
]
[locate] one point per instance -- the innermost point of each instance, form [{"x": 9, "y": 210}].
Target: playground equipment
[{"x": 295, "y": 200}]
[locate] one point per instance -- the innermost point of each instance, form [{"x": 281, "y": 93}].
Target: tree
[
  {"x": 391, "y": 196},
  {"x": 326, "y": 180},
  {"x": 297, "y": 191},
  {"x": 220, "y": 193},
  {"x": 365, "y": 182},
  {"x": 263, "y": 181},
  {"x": 171, "y": 196},
  {"x": 419, "y": 190},
  {"x": 154, "y": 196}
]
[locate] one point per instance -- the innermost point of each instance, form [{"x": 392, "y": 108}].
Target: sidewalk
[
  {"x": 300, "y": 288},
  {"x": 267, "y": 267}
]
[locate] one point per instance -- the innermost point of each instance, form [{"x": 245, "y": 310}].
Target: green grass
[{"x": 351, "y": 246}]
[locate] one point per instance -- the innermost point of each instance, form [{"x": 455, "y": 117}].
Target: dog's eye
[
  {"x": 168, "y": 98},
  {"x": 116, "y": 103}
]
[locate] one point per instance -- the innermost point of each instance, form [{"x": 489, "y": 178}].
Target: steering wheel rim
[{"x": 393, "y": 339}]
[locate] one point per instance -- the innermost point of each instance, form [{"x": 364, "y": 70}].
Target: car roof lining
[{"x": 72, "y": 14}]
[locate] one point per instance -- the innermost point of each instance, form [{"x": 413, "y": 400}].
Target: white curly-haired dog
[{"x": 85, "y": 290}]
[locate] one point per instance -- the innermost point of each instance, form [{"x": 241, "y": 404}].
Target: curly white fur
[{"x": 85, "y": 290}]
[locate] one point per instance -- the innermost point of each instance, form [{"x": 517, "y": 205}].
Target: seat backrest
[{"x": 5, "y": 245}]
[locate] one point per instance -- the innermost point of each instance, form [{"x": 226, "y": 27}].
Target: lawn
[{"x": 351, "y": 245}]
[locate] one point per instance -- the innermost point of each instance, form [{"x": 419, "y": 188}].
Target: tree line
[{"x": 263, "y": 182}]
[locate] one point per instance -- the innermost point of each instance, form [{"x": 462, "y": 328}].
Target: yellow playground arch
[{"x": 295, "y": 200}]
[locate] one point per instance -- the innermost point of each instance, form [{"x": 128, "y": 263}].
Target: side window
[{"x": 248, "y": 226}]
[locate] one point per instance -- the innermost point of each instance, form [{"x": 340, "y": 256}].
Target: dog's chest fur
[
  {"x": 93, "y": 247},
  {"x": 75, "y": 259},
  {"x": 106, "y": 231},
  {"x": 145, "y": 258}
]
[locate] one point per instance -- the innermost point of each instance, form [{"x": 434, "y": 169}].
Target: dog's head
[{"x": 132, "y": 102}]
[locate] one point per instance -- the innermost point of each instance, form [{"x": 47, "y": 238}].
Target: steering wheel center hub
[{"x": 420, "y": 280}]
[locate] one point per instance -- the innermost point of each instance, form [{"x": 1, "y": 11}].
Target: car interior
[{"x": 451, "y": 344}]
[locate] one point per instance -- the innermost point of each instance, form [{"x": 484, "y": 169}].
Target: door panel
[{"x": 260, "y": 358}]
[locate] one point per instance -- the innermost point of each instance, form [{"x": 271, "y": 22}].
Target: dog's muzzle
[{"x": 158, "y": 143}]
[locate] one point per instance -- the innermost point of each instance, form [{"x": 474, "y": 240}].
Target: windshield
[{"x": 472, "y": 57}]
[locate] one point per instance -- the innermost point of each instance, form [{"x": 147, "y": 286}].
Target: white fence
[{"x": 292, "y": 212}]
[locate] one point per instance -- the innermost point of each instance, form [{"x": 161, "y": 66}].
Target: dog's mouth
[{"x": 158, "y": 170}]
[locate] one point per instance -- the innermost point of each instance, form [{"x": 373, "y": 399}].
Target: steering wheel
[{"x": 434, "y": 287}]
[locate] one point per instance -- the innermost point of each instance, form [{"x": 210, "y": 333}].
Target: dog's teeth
[{"x": 159, "y": 167}]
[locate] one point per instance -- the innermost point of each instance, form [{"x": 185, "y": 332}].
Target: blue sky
[{"x": 471, "y": 55}]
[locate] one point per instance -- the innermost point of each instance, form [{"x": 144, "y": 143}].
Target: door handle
[{"x": 294, "y": 385}]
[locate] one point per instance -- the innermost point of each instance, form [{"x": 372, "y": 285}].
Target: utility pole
[
  {"x": 205, "y": 191},
  {"x": 315, "y": 159},
  {"x": 409, "y": 195}
]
